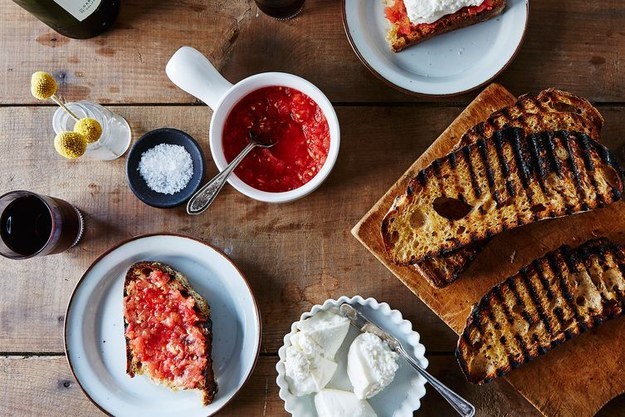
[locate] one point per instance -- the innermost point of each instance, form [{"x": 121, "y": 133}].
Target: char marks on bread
[
  {"x": 549, "y": 110},
  {"x": 556, "y": 297},
  {"x": 498, "y": 184}
]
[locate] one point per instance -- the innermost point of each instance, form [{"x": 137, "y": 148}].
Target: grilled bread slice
[
  {"x": 534, "y": 123},
  {"x": 445, "y": 269},
  {"x": 404, "y": 33},
  {"x": 564, "y": 293},
  {"x": 168, "y": 329},
  {"x": 550, "y": 109},
  {"x": 497, "y": 184}
]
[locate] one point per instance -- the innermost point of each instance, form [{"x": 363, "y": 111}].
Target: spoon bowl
[{"x": 260, "y": 142}]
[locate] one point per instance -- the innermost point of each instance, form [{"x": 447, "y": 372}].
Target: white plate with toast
[
  {"x": 448, "y": 64},
  {"x": 94, "y": 328}
]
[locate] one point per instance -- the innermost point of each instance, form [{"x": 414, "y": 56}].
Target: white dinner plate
[
  {"x": 94, "y": 328},
  {"x": 448, "y": 64},
  {"x": 400, "y": 398}
]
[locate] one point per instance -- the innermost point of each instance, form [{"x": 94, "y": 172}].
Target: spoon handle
[
  {"x": 462, "y": 406},
  {"x": 206, "y": 195}
]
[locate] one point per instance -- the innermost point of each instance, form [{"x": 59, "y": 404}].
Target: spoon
[
  {"x": 206, "y": 195},
  {"x": 362, "y": 323}
]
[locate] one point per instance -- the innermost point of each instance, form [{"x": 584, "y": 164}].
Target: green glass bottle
[{"x": 79, "y": 19}]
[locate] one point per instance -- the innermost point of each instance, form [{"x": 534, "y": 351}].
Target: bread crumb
[{"x": 512, "y": 257}]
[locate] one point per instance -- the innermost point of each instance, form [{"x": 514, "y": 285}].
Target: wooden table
[{"x": 293, "y": 256}]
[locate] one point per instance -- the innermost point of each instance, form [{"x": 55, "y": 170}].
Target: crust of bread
[
  {"x": 448, "y": 23},
  {"x": 202, "y": 309},
  {"x": 477, "y": 192},
  {"x": 554, "y": 298},
  {"x": 549, "y": 110},
  {"x": 440, "y": 271}
]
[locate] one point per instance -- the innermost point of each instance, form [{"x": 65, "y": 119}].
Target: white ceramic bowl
[
  {"x": 399, "y": 399},
  {"x": 192, "y": 72}
]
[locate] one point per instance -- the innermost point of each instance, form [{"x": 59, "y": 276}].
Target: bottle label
[{"x": 80, "y": 9}]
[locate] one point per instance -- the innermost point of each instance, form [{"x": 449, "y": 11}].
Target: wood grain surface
[
  {"x": 293, "y": 256},
  {"x": 58, "y": 391},
  {"x": 545, "y": 382},
  {"x": 242, "y": 41}
]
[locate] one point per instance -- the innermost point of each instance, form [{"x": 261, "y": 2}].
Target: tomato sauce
[
  {"x": 162, "y": 331},
  {"x": 397, "y": 15},
  {"x": 294, "y": 122}
]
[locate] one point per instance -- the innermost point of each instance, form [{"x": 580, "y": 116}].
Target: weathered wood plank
[
  {"x": 243, "y": 41},
  {"x": 124, "y": 65},
  {"x": 45, "y": 386}
]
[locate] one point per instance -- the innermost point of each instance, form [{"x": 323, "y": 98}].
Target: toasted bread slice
[
  {"x": 564, "y": 293},
  {"x": 495, "y": 185},
  {"x": 403, "y": 33},
  {"x": 535, "y": 123},
  {"x": 168, "y": 329},
  {"x": 549, "y": 110},
  {"x": 442, "y": 271}
]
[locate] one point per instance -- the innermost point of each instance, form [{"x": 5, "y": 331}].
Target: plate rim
[
  {"x": 177, "y": 235},
  {"x": 391, "y": 84}
]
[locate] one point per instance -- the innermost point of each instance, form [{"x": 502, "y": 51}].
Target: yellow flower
[
  {"x": 42, "y": 85},
  {"x": 89, "y": 128},
  {"x": 70, "y": 144}
]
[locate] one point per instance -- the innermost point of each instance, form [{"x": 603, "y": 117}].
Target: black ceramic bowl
[{"x": 148, "y": 141}]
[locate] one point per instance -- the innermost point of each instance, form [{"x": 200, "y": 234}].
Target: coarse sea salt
[{"x": 166, "y": 168}]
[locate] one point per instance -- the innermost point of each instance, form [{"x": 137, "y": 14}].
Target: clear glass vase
[{"x": 116, "y": 133}]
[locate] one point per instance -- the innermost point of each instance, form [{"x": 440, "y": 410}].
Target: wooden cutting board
[{"x": 575, "y": 379}]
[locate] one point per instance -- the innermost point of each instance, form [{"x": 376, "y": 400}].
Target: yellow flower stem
[{"x": 60, "y": 103}]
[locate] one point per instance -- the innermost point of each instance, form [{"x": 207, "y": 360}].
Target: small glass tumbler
[
  {"x": 116, "y": 133},
  {"x": 280, "y": 9},
  {"x": 37, "y": 225}
]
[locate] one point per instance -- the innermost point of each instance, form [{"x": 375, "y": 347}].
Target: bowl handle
[{"x": 193, "y": 72}]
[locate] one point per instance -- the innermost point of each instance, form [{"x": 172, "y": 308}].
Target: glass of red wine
[
  {"x": 37, "y": 225},
  {"x": 280, "y": 9}
]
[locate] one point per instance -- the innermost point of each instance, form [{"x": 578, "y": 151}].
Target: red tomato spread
[
  {"x": 162, "y": 331},
  {"x": 294, "y": 122},
  {"x": 396, "y": 14}
]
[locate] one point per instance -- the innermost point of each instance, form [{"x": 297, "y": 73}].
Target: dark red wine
[
  {"x": 78, "y": 19},
  {"x": 280, "y": 9},
  {"x": 35, "y": 225},
  {"x": 26, "y": 225}
]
